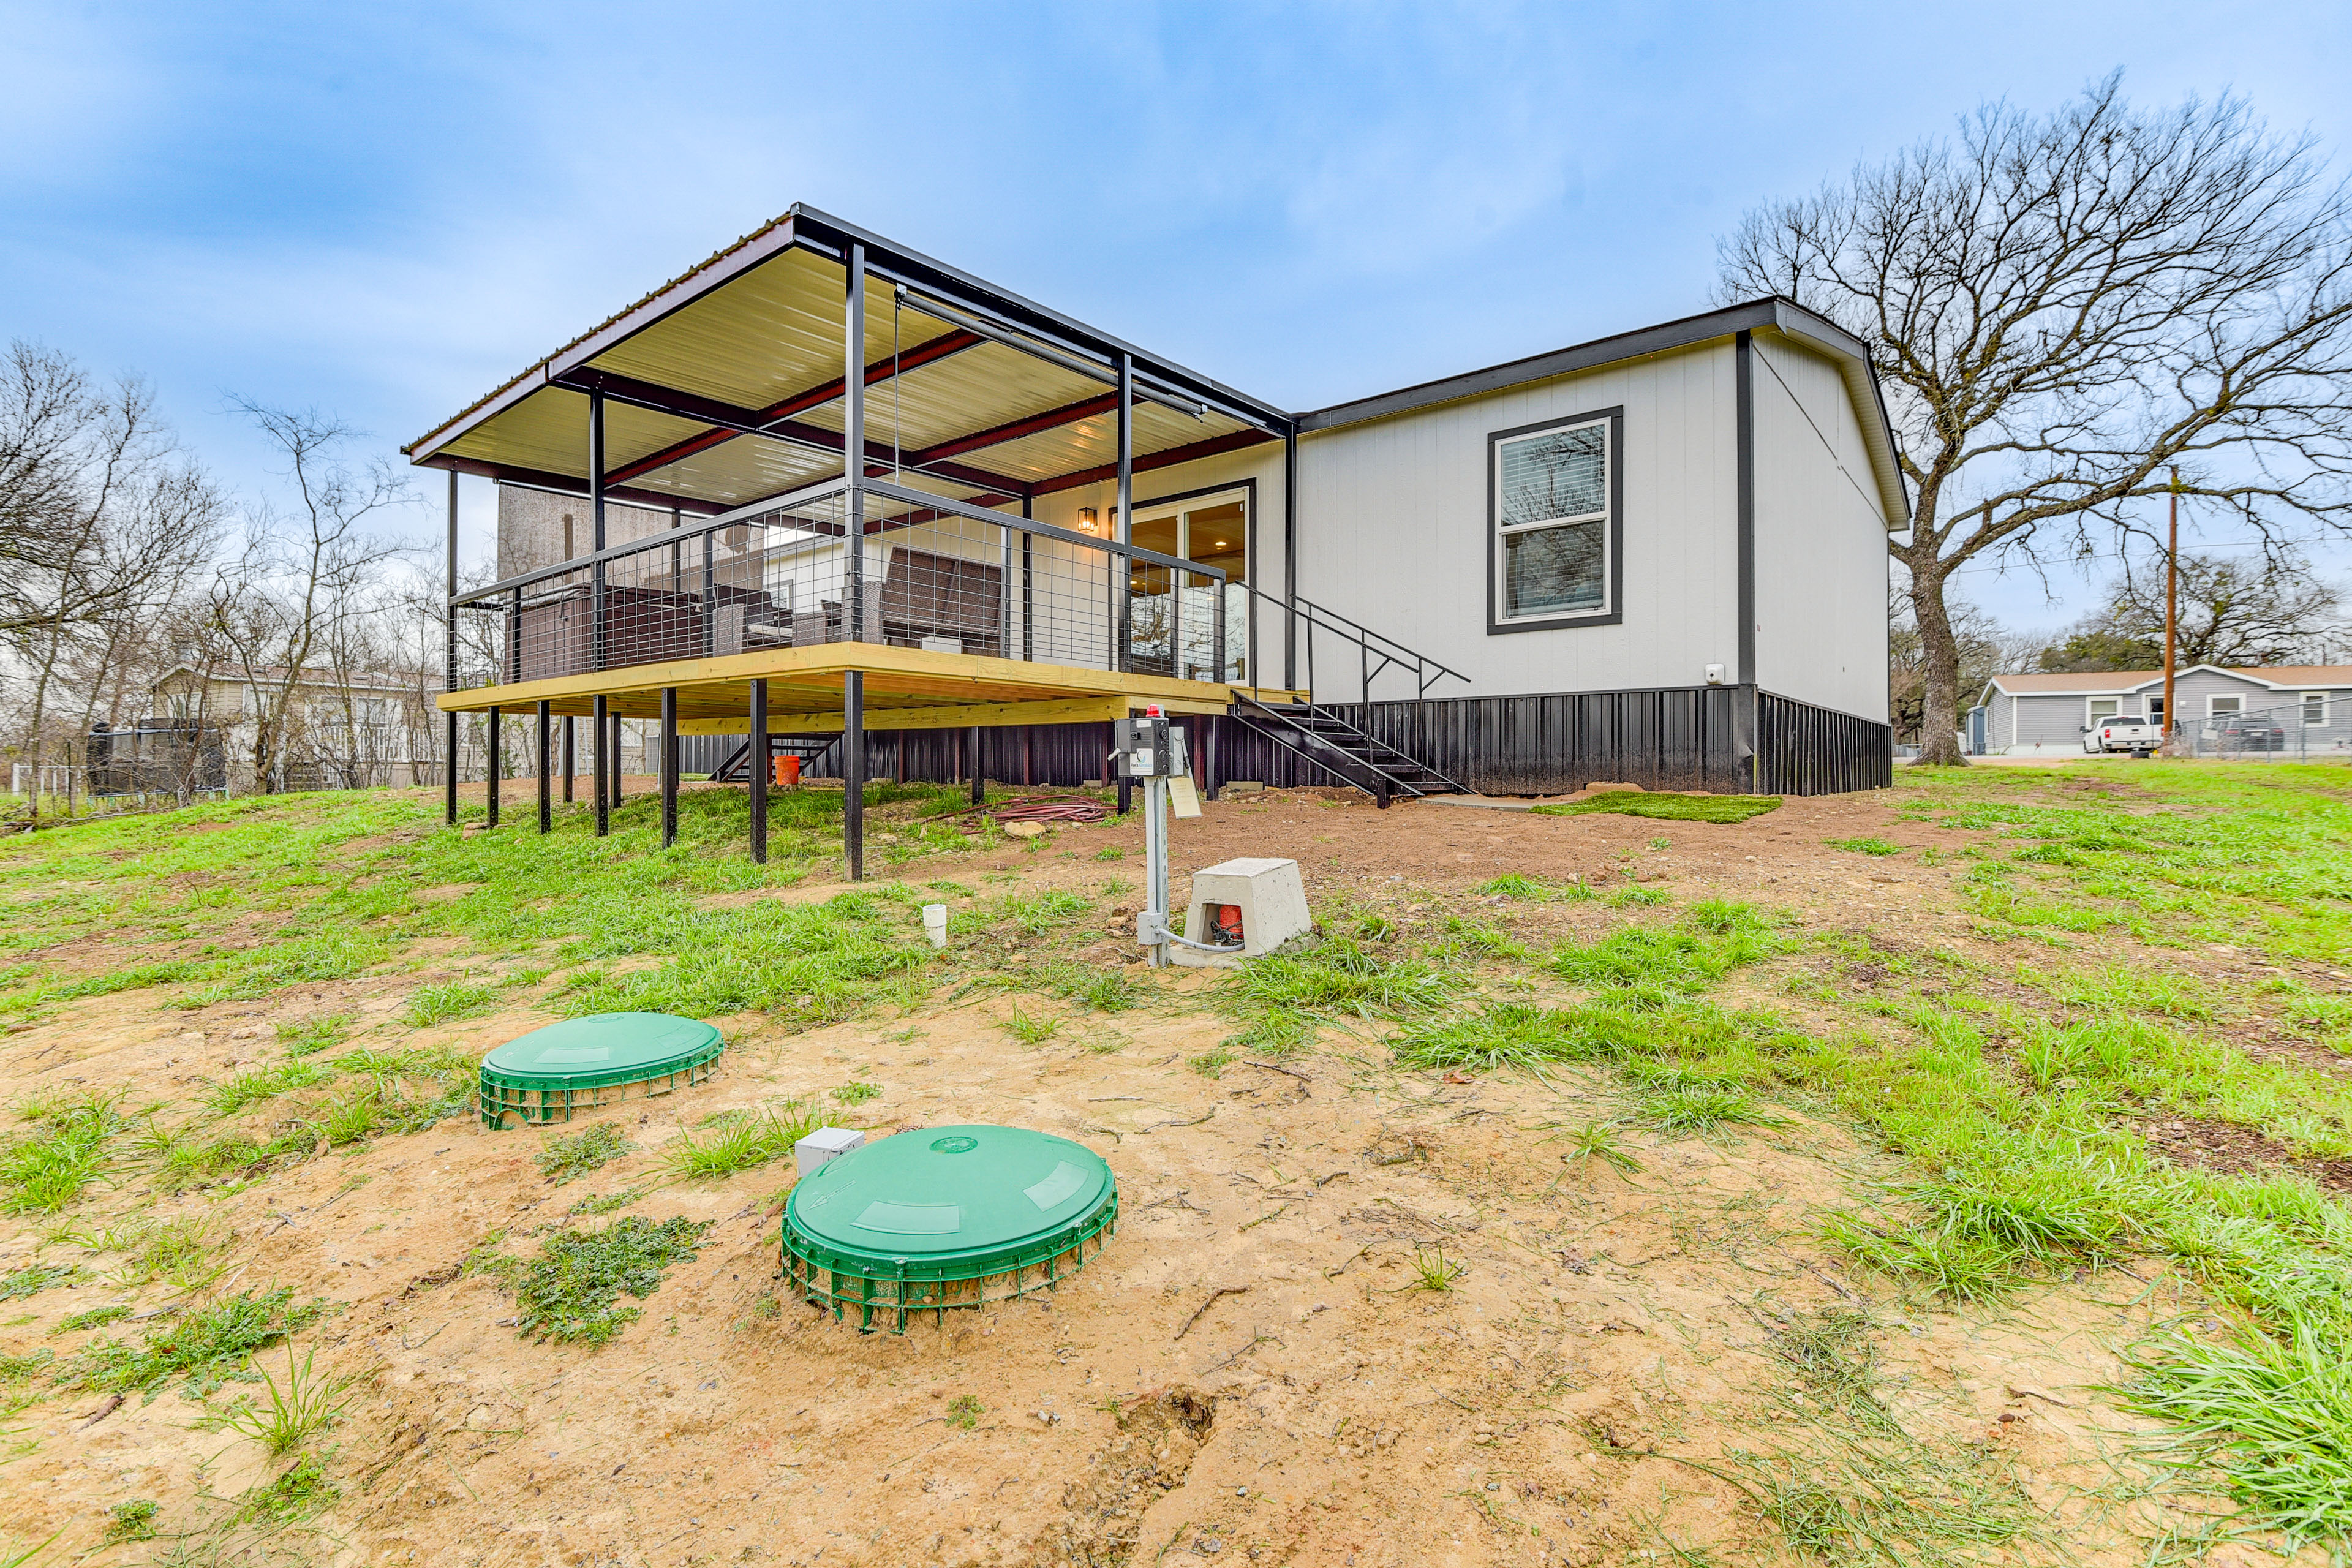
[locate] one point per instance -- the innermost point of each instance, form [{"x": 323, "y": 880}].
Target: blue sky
[{"x": 385, "y": 210}]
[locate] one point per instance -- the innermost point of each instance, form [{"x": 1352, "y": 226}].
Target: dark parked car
[{"x": 2250, "y": 735}]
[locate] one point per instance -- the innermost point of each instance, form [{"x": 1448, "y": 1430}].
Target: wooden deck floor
[{"x": 906, "y": 689}]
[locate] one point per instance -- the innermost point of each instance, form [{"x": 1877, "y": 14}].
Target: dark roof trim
[{"x": 1770, "y": 314}]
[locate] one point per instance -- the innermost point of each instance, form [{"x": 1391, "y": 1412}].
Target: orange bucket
[{"x": 786, "y": 772}]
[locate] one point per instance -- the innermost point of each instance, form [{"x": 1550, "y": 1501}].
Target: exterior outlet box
[
  {"x": 1715, "y": 674},
  {"x": 824, "y": 1144},
  {"x": 1266, "y": 895}
]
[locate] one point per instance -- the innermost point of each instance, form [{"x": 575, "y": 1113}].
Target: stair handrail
[{"x": 1426, "y": 671}]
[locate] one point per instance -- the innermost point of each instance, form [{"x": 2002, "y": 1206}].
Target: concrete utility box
[
  {"x": 1268, "y": 897},
  {"x": 826, "y": 1143}
]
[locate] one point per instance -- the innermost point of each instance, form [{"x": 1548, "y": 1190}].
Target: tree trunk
[{"x": 1939, "y": 651}]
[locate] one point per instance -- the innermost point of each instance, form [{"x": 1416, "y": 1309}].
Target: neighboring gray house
[{"x": 2023, "y": 715}]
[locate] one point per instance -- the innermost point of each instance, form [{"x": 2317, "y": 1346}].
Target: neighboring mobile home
[
  {"x": 1658, "y": 558},
  {"x": 2301, "y": 709}
]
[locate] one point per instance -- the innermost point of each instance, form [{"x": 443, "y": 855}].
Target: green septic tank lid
[
  {"x": 950, "y": 1202},
  {"x": 601, "y": 1048}
]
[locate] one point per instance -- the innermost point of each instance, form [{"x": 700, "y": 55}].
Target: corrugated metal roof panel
[
  {"x": 549, "y": 430},
  {"x": 1094, "y": 442},
  {"x": 768, "y": 336}
]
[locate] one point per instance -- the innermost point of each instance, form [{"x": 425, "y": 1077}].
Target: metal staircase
[
  {"x": 1321, "y": 737},
  {"x": 737, "y": 768}
]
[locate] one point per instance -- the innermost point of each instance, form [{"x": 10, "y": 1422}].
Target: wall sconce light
[{"x": 1089, "y": 521}]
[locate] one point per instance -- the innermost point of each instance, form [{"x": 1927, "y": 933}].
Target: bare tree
[
  {"x": 1985, "y": 647},
  {"x": 2064, "y": 306},
  {"x": 102, "y": 519},
  {"x": 271, "y": 612},
  {"x": 2234, "y": 614}
]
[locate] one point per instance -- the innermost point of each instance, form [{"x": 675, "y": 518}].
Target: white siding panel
[
  {"x": 1394, "y": 533},
  {"x": 1821, "y": 538}
]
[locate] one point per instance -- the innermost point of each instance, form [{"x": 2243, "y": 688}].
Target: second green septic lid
[
  {"x": 601, "y": 1048},
  {"x": 946, "y": 1192}
]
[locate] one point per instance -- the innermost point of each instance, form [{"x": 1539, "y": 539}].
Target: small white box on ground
[
  {"x": 1265, "y": 897},
  {"x": 826, "y": 1143}
]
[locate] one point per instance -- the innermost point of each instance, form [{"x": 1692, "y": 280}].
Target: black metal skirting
[{"x": 1725, "y": 738}]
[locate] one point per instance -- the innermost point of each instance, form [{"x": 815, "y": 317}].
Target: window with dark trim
[{"x": 1555, "y": 529}]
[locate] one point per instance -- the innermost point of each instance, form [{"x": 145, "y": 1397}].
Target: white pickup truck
[{"x": 2123, "y": 732}]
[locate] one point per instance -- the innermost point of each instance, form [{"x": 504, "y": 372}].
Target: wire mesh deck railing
[{"x": 927, "y": 573}]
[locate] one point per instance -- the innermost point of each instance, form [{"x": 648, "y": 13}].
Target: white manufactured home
[
  {"x": 1658, "y": 558},
  {"x": 2305, "y": 709}
]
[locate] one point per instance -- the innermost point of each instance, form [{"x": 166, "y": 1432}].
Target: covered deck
[{"x": 739, "y": 574}]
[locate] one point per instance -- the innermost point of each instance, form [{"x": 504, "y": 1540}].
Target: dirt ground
[{"x": 1246, "y": 1375}]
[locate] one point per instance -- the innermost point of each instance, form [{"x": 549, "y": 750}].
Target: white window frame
[
  {"x": 2236, "y": 700},
  {"x": 1610, "y": 520},
  {"x": 2091, "y": 715},
  {"x": 2315, "y": 708}
]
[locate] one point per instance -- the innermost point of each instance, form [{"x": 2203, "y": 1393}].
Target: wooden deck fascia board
[{"x": 804, "y": 682}]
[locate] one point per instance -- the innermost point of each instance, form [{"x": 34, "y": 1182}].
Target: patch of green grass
[
  {"x": 563, "y": 1160},
  {"x": 857, "y": 1093},
  {"x": 207, "y": 1346},
  {"x": 1701, "y": 1108},
  {"x": 1646, "y": 960},
  {"x": 740, "y": 1141},
  {"x": 1864, "y": 845},
  {"x": 1336, "y": 976},
  {"x": 1272, "y": 1032},
  {"x": 1511, "y": 885},
  {"x": 96, "y": 1317},
  {"x": 310, "y": 1036},
  {"x": 1111, "y": 852},
  {"x": 133, "y": 1520},
  {"x": 302, "y": 1492},
  {"x": 572, "y": 1292},
  {"x": 66, "y": 1149},
  {"x": 1042, "y": 914},
  {"x": 250, "y": 1089},
  {"x": 1598, "y": 1141},
  {"x": 1721, "y": 808},
  {"x": 445, "y": 1001},
  {"x": 291, "y": 1413},
  {"x": 1029, "y": 1029},
  {"x": 1433, "y": 1271},
  {"x": 1512, "y": 1035},
  {"x": 607, "y": 1203},
  {"x": 180, "y": 1252},
  {"x": 35, "y": 1277}
]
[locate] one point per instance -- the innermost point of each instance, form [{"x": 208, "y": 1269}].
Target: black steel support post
[
  {"x": 597, "y": 642},
  {"x": 1212, "y": 781},
  {"x": 450, "y": 636},
  {"x": 613, "y": 774},
  {"x": 853, "y": 439},
  {"x": 604, "y": 764},
  {"x": 1028, "y": 595},
  {"x": 757, "y": 759},
  {"x": 669, "y": 766},
  {"x": 546, "y": 781},
  {"x": 1122, "y": 565},
  {"x": 490, "y": 790},
  {"x": 979, "y": 777},
  {"x": 1289, "y": 559},
  {"x": 570, "y": 759},
  {"x": 853, "y": 771}
]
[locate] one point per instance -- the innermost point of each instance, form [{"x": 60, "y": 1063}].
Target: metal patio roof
[{"x": 724, "y": 387}]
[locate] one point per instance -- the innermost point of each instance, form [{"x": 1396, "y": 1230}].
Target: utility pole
[{"x": 2171, "y": 610}]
